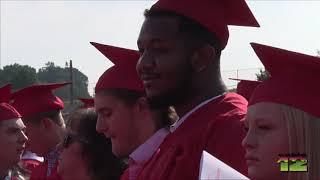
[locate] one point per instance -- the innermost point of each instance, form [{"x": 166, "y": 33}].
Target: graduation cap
[
  {"x": 8, "y": 112},
  {"x": 123, "y": 74},
  {"x": 246, "y": 87},
  {"x": 5, "y": 93},
  {"x": 294, "y": 79},
  {"x": 87, "y": 102},
  {"x": 215, "y": 15},
  {"x": 37, "y": 98}
]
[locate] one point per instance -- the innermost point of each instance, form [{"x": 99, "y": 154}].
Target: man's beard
[
  {"x": 162, "y": 101},
  {"x": 175, "y": 96}
]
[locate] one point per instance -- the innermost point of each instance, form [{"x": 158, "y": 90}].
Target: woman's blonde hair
[{"x": 304, "y": 135}]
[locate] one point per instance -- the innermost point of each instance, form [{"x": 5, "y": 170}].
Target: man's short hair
[
  {"x": 166, "y": 116},
  {"x": 129, "y": 97},
  {"x": 193, "y": 32},
  {"x": 54, "y": 115}
]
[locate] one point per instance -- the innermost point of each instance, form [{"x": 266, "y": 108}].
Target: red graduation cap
[
  {"x": 246, "y": 87},
  {"x": 123, "y": 74},
  {"x": 87, "y": 102},
  {"x": 8, "y": 112},
  {"x": 5, "y": 93},
  {"x": 215, "y": 15},
  {"x": 294, "y": 79},
  {"x": 37, "y": 98}
]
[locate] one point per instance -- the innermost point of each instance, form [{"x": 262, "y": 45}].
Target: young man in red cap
[
  {"x": 124, "y": 115},
  {"x": 12, "y": 138},
  {"x": 180, "y": 45},
  {"x": 283, "y": 118},
  {"x": 27, "y": 161},
  {"x": 41, "y": 112}
]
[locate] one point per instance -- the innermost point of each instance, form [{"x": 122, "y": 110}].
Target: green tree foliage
[
  {"x": 19, "y": 76},
  {"x": 52, "y": 74},
  {"x": 262, "y": 75},
  {"x": 233, "y": 90}
]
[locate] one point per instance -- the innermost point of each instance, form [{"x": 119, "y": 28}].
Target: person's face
[
  {"x": 116, "y": 121},
  {"x": 42, "y": 134},
  {"x": 12, "y": 140},
  {"x": 70, "y": 159},
  {"x": 267, "y": 137},
  {"x": 164, "y": 65},
  {"x": 36, "y": 133}
]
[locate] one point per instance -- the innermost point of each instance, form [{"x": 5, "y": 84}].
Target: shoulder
[
  {"x": 226, "y": 114},
  {"x": 233, "y": 103},
  {"x": 228, "y": 106}
]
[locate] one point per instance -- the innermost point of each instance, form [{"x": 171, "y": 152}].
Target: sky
[{"x": 35, "y": 32}]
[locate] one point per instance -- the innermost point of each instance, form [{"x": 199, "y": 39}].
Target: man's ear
[{"x": 202, "y": 58}]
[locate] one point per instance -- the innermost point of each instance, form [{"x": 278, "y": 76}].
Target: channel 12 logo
[{"x": 293, "y": 163}]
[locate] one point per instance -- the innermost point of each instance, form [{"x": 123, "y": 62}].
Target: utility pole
[{"x": 71, "y": 80}]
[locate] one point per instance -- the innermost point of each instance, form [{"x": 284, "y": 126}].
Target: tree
[
  {"x": 262, "y": 75},
  {"x": 233, "y": 90},
  {"x": 318, "y": 53},
  {"x": 52, "y": 74},
  {"x": 19, "y": 76}
]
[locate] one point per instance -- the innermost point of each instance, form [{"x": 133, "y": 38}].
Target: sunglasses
[{"x": 71, "y": 138}]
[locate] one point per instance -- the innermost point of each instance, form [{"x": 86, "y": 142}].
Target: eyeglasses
[{"x": 70, "y": 138}]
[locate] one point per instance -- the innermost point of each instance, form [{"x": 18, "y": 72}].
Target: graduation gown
[
  {"x": 214, "y": 127},
  {"x": 143, "y": 153},
  {"x": 125, "y": 175},
  {"x": 30, "y": 164},
  {"x": 30, "y": 160},
  {"x": 40, "y": 172}
]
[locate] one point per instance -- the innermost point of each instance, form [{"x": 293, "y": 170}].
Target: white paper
[{"x": 212, "y": 168}]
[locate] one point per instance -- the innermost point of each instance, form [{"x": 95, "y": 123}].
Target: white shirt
[{"x": 144, "y": 152}]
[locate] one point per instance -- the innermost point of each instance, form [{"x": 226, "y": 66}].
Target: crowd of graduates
[{"x": 157, "y": 109}]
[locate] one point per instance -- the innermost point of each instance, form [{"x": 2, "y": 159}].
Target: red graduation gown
[
  {"x": 125, "y": 175},
  {"x": 40, "y": 173},
  {"x": 30, "y": 164},
  {"x": 214, "y": 127}
]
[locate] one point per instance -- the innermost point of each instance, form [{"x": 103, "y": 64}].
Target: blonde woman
[{"x": 283, "y": 118}]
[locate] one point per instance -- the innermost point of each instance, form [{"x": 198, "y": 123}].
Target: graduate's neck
[
  {"x": 201, "y": 91},
  {"x": 56, "y": 137},
  {"x": 147, "y": 126}
]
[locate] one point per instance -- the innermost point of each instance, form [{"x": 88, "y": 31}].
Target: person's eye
[
  {"x": 107, "y": 114},
  {"x": 264, "y": 127}
]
